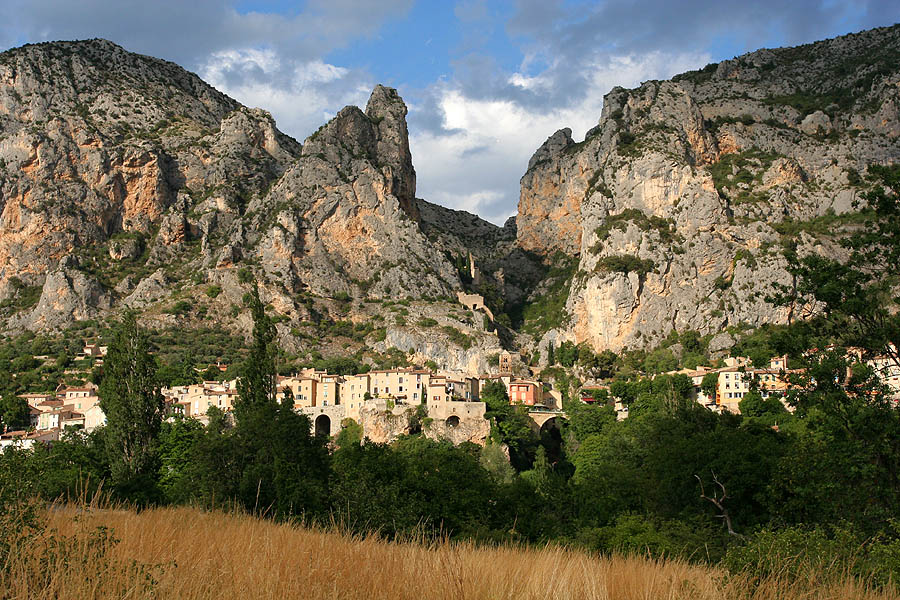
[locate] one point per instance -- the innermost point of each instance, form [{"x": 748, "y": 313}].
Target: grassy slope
[{"x": 187, "y": 553}]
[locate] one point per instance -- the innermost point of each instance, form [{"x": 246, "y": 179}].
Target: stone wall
[{"x": 474, "y": 302}]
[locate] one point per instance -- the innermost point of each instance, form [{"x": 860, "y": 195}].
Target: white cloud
[
  {"x": 301, "y": 97},
  {"x": 476, "y": 163}
]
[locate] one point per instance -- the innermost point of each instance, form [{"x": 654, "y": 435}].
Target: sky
[{"x": 486, "y": 82}]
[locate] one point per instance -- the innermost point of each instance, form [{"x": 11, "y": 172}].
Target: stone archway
[
  {"x": 323, "y": 426},
  {"x": 551, "y": 437},
  {"x": 452, "y": 421},
  {"x": 552, "y": 424}
]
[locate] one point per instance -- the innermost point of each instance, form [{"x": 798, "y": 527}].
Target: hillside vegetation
[{"x": 191, "y": 554}]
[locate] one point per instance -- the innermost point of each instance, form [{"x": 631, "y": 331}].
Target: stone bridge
[
  {"x": 543, "y": 416},
  {"x": 324, "y": 420}
]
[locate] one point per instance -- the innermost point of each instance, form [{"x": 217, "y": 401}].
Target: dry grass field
[{"x": 187, "y": 553}]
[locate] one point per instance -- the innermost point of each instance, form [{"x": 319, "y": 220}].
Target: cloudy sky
[{"x": 486, "y": 82}]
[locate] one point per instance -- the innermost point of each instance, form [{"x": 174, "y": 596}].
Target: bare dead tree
[{"x": 719, "y": 502}]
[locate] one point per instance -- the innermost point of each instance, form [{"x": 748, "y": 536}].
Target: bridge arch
[
  {"x": 550, "y": 432},
  {"x": 552, "y": 424},
  {"x": 323, "y": 426}
]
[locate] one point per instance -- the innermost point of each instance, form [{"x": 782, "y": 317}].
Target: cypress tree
[{"x": 133, "y": 404}]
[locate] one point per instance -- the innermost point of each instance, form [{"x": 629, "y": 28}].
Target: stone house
[
  {"x": 82, "y": 398},
  {"x": 526, "y": 391},
  {"x": 303, "y": 388},
  {"x": 60, "y": 418},
  {"x": 406, "y": 385},
  {"x": 27, "y": 439},
  {"x": 34, "y": 400},
  {"x": 328, "y": 390},
  {"x": 888, "y": 372},
  {"x": 197, "y": 399},
  {"x": 354, "y": 389},
  {"x": 94, "y": 417}
]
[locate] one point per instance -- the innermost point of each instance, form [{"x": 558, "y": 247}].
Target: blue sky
[{"x": 486, "y": 82}]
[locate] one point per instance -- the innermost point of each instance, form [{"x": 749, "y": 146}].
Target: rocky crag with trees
[{"x": 128, "y": 183}]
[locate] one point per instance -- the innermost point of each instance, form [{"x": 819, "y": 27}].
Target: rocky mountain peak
[
  {"x": 387, "y": 111},
  {"x": 555, "y": 144},
  {"x": 674, "y": 207}
]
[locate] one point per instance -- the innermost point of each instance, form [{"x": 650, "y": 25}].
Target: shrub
[
  {"x": 182, "y": 307},
  {"x": 245, "y": 275},
  {"x": 625, "y": 263},
  {"x": 213, "y": 291},
  {"x": 458, "y": 337}
]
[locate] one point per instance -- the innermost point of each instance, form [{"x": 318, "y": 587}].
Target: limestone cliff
[
  {"x": 677, "y": 203},
  {"x": 344, "y": 217},
  {"x": 106, "y": 158},
  {"x": 126, "y": 181}
]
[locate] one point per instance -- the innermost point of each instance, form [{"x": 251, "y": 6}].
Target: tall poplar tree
[
  {"x": 283, "y": 468},
  {"x": 133, "y": 404},
  {"x": 256, "y": 386}
]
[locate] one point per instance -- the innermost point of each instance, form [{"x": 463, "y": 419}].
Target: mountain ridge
[
  {"x": 128, "y": 182},
  {"x": 673, "y": 203}
]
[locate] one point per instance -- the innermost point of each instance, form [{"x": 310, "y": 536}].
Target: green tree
[
  {"x": 178, "y": 441},
  {"x": 709, "y": 385},
  {"x": 256, "y": 387},
  {"x": 755, "y": 406},
  {"x": 586, "y": 420},
  {"x": 852, "y": 441},
  {"x": 351, "y": 433},
  {"x": 212, "y": 373},
  {"x": 278, "y": 465},
  {"x": 13, "y": 411},
  {"x": 510, "y": 425},
  {"x": 494, "y": 461},
  {"x": 130, "y": 398},
  {"x": 566, "y": 354}
]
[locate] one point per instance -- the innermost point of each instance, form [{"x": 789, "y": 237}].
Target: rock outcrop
[
  {"x": 105, "y": 153},
  {"x": 456, "y": 422},
  {"x": 127, "y": 182},
  {"x": 676, "y": 205},
  {"x": 148, "y": 179},
  {"x": 344, "y": 218}
]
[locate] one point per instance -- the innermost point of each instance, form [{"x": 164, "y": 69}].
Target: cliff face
[
  {"x": 126, "y": 181},
  {"x": 344, "y": 217},
  {"x": 129, "y": 182},
  {"x": 105, "y": 158},
  {"x": 677, "y": 203}
]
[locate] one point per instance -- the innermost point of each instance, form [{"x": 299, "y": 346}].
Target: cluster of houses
[
  {"x": 313, "y": 392},
  {"x": 52, "y": 412},
  {"x": 737, "y": 378},
  {"x": 329, "y": 398},
  {"x": 338, "y": 397}
]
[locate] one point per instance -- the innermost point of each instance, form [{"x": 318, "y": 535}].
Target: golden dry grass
[{"x": 192, "y": 554}]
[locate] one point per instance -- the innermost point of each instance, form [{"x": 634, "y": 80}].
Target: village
[{"x": 453, "y": 408}]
